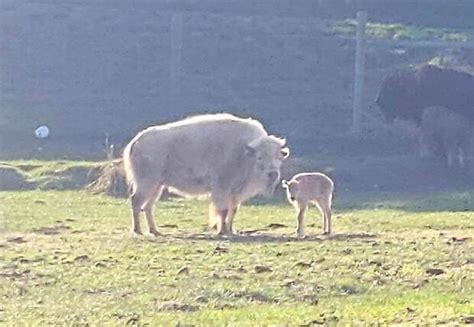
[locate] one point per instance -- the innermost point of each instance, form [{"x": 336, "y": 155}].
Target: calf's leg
[
  {"x": 326, "y": 209},
  {"x": 301, "y": 209}
]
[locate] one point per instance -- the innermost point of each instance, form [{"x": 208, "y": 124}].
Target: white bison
[
  {"x": 228, "y": 158},
  {"x": 305, "y": 188}
]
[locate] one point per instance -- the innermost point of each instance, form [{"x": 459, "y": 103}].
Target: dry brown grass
[{"x": 111, "y": 180}]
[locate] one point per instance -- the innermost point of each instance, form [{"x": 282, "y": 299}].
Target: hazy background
[{"x": 91, "y": 68}]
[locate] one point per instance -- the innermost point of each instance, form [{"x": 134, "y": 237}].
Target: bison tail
[{"x": 128, "y": 167}]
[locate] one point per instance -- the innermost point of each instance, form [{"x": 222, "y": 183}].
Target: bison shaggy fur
[
  {"x": 406, "y": 93},
  {"x": 444, "y": 133},
  {"x": 231, "y": 159}
]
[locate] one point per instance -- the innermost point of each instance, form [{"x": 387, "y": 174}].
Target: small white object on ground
[{"x": 42, "y": 132}]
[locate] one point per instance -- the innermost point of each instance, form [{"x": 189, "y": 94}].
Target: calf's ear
[{"x": 284, "y": 183}]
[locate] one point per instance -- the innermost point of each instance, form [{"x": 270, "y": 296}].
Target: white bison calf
[
  {"x": 307, "y": 188},
  {"x": 229, "y": 158}
]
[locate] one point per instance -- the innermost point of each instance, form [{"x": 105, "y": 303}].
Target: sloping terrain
[{"x": 90, "y": 69}]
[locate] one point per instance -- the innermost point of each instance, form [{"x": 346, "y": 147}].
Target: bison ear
[{"x": 250, "y": 151}]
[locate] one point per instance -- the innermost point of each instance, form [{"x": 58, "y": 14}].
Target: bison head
[
  {"x": 267, "y": 154},
  {"x": 397, "y": 97}
]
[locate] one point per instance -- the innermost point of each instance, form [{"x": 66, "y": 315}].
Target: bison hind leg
[
  {"x": 140, "y": 196},
  {"x": 148, "y": 209},
  {"x": 137, "y": 202}
]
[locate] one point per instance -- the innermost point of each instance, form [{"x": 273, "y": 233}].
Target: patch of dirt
[
  {"x": 435, "y": 271},
  {"x": 349, "y": 289},
  {"x": 81, "y": 258},
  {"x": 16, "y": 239},
  {"x": 276, "y": 225},
  {"x": 169, "y": 226},
  {"x": 262, "y": 268},
  {"x": 97, "y": 292},
  {"x": 343, "y": 236},
  {"x": 53, "y": 230},
  {"x": 177, "y": 306},
  {"x": 219, "y": 249},
  {"x": 304, "y": 264},
  {"x": 468, "y": 320},
  {"x": 12, "y": 274},
  {"x": 252, "y": 296},
  {"x": 458, "y": 239}
]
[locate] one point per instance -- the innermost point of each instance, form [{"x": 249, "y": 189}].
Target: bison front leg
[
  {"x": 220, "y": 203},
  {"x": 212, "y": 217},
  {"x": 230, "y": 220},
  {"x": 221, "y": 221}
]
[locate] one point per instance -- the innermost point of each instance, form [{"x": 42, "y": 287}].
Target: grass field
[
  {"x": 404, "y": 32},
  {"x": 68, "y": 258}
]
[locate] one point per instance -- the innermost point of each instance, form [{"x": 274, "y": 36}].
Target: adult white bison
[
  {"x": 229, "y": 158},
  {"x": 406, "y": 93}
]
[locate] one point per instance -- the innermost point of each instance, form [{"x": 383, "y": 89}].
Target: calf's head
[
  {"x": 267, "y": 154},
  {"x": 291, "y": 189}
]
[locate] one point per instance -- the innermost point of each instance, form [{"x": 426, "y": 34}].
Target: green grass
[
  {"x": 69, "y": 258},
  {"x": 404, "y": 32},
  {"x": 35, "y": 170}
]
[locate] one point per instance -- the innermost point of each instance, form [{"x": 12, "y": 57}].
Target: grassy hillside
[{"x": 68, "y": 258}]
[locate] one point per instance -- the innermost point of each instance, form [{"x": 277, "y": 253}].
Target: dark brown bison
[
  {"x": 445, "y": 133},
  {"x": 405, "y": 93}
]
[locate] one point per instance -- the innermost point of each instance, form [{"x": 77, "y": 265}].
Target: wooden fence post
[
  {"x": 359, "y": 71},
  {"x": 176, "y": 44}
]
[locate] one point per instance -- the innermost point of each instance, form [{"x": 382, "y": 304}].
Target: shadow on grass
[
  {"x": 454, "y": 201},
  {"x": 258, "y": 237}
]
